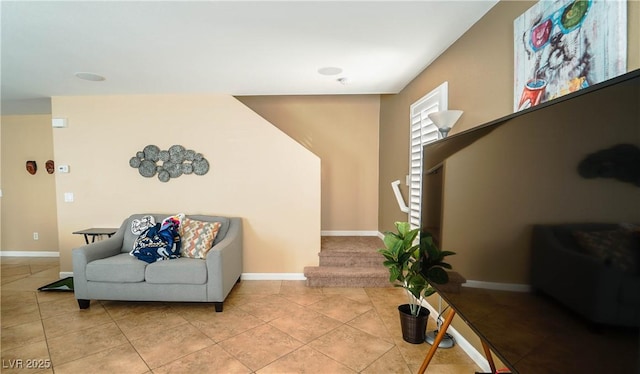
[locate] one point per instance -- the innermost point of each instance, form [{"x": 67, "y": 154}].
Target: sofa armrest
[
  {"x": 224, "y": 263},
  {"x": 82, "y": 256}
]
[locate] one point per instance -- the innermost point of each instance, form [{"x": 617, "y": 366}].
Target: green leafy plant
[{"x": 413, "y": 265}]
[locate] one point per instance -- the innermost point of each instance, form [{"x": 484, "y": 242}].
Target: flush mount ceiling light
[
  {"x": 329, "y": 70},
  {"x": 90, "y": 77}
]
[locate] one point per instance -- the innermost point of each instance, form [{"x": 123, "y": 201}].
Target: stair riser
[
  {"x": 348, "y": 282},
  {"x": 351, "y": 261}
]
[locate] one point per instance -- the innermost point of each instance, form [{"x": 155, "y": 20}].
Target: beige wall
[
  {"x": 256, "y": 172},
  {"x": 28, "y": 201},
  {"x": 343, "y": 132},
  {"x": 483, "y": 54}
]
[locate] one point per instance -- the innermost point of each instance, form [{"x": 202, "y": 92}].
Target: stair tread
[
  {"x": 351, "y": 243},
  {"x": 338, "y": 253}
]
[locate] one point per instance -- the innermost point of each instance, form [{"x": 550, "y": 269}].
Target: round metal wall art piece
[
  {"x": 147, "y": 168},
  {"x": 190, "y": 155},
  {"x": 164, "y": 176},
  {"x": 187, "y": 168},
  {"x": 135, "y": 162},
  {"x": 151, "y": 152},
  {"x": 200, "y": 167},
  {"x": 167, "y": 164},
  {"x": 164, "y": 156}
]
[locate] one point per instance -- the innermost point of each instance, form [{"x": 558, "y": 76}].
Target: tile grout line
[{"x": 126, "y": 337}]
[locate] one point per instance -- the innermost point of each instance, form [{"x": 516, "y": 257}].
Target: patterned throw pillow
[
  {"x": 197, "y": 237},
  {"x": 616, "y": 248}
]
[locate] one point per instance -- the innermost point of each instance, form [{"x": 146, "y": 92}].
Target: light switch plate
[
  {"x": 59, "y": 123},
  {"x": 63, "y": 168},
  {"x": 68, "y": 197}
]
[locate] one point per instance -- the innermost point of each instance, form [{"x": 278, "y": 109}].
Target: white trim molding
[
  {"x": 463, "y": 343},
  {"x": 513, "y": 287},
  {"x": 29, "y": 254},
  {"x": 273, "y": 276},
  {"x": 348, "y": 233},
  {"x": 244, "y": 276}
]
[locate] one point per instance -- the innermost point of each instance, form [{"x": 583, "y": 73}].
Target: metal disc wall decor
[{"x": 170, "y": 163}]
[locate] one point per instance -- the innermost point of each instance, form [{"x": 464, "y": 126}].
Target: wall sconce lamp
[{"x": 445, "y": 120}]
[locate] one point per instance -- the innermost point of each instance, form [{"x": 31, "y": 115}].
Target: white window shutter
[{"x": 423, "y": 131}]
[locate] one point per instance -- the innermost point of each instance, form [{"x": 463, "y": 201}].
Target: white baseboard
[
  {"x": 348, "y": 233},
  {"x": 513, "y": 287},
  {"x": 29, "y": 254},
  {"x": 273, "y": 276},
  {"x": 244, "y": 276},
  {"x": 463, "y": 343}
]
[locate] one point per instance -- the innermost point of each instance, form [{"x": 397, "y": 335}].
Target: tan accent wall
[
  {"x": 479, "y": 69},
  {"x": 343, "y": 132},
  {"x": 256, "y": 172},
  {"x": 28, "y": 201}
]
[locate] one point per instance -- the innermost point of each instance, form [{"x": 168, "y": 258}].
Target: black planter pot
[{"x": 413, "y": 327}]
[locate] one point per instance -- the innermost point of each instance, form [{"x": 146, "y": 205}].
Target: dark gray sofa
[
  {"x": 105, "y": 270},
  {"x": 583, "y": 282}
]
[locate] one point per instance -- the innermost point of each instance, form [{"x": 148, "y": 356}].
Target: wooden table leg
[
  {"x": 436, "y": 342},
  {"x": 487, "y": 353}
]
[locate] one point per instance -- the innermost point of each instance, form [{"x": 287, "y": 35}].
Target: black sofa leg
[
  {"x": 83, "y": 304},
  {"x": 218, "y": 306}
]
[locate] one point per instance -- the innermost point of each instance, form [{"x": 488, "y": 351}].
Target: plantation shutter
[{"x": 423, "y": 131}]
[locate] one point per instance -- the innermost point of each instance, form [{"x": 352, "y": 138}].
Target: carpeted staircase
[{"x": 349, "y": 261}]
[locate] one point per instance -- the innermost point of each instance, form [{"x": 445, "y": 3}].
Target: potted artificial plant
[{"x": 412, "y": 266}]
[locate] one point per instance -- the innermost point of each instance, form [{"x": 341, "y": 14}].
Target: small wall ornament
[
  {"x": 50, "y": 165},
  {"x": 32, "y": 167},
  {"x": 167, "y": 164}
]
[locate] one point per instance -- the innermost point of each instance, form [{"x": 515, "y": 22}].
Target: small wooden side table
[{"x": 95, "y": 231}]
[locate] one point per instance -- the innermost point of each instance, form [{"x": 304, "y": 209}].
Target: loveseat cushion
[
  {"x": 177, "y": 271},
  {"x": 121, "y": 268}
]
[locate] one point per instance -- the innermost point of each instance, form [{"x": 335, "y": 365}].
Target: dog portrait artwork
[{"x": 563, "y": 46}]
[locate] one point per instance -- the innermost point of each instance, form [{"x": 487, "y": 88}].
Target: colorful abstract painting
[{"x": 563, "y": 46}]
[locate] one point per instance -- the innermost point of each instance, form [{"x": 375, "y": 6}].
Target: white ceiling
[{"x": 230, "y": 47}]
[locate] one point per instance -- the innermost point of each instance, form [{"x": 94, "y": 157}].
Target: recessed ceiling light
[
  {"x": 330, "y": 70},
  {"x": 90, "y": 77}
]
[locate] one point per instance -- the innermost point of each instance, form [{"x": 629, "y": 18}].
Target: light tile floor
[{"x": 266, "y": 327}]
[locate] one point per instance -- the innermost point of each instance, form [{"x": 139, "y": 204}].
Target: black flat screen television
[{"x": 486, "y": 188}]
